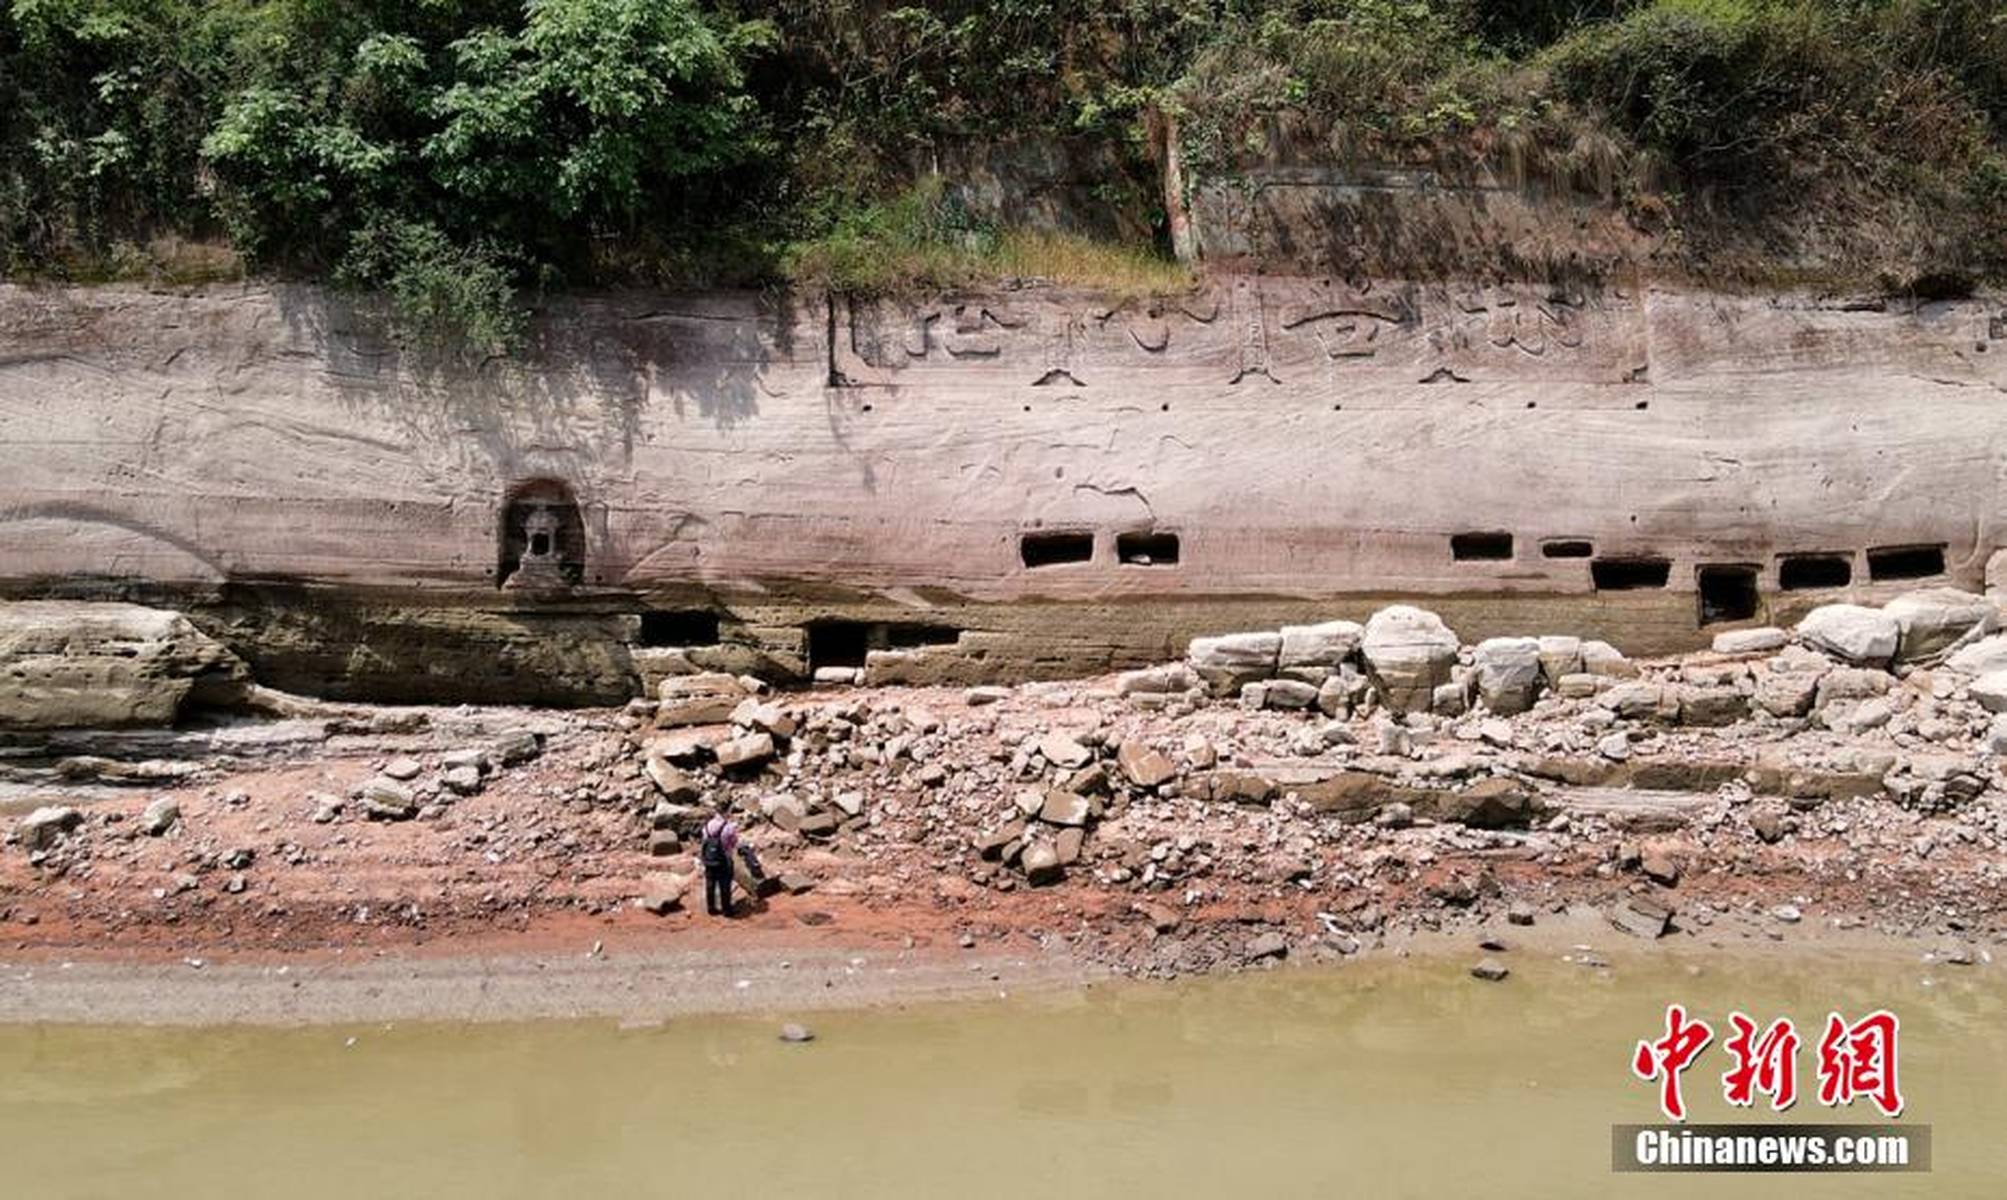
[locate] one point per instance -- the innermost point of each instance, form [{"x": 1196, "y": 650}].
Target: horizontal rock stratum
[
  {"x": 983, "y": 487},
  {"x": 65, "y": 664}
]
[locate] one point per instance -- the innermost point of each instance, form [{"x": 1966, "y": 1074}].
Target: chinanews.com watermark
[
  {"x": 1770, "y": 1148},
  {"x": 1854, "y": 1061}
]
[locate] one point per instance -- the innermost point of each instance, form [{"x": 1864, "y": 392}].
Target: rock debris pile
[{"x": 1315, "y": 790}]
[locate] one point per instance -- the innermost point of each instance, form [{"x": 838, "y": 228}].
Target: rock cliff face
[{"x": 1016, "y": 484}]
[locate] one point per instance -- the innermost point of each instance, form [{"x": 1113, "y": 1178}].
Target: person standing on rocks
[{"x": 721, "y": 841}]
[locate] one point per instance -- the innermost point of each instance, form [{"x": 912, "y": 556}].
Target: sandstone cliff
[{"x": 981, "y": 486}]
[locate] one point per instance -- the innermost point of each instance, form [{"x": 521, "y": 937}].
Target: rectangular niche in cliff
[
  {"x": 542, "y": 537},
  {"x": 1147, "y": 548},
  {"x": 845, "y": 643},
  {"x": 1053, "y": 547},
  {"x": 1568, "y": 548},
  {"x": 1629, "y": 574},
  {"x": 1480, "y": 547},
  {"x": 1807, "y": 572},
  {"x": 1905, "y": 562},
  {"x": 1728, "y": 593},
  {"x": 694, "y": 627}
]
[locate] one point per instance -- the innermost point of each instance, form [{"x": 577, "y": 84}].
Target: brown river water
[{"x": 1393, "y": 1078}]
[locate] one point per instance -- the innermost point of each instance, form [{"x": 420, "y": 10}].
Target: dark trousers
[{"x": 718, "y": 891}]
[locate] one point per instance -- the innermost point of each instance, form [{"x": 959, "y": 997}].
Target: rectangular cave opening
[
  {"x": 1728, "y": 593},
  {"x": 845, "y": 643},
  {"x": 1568, "y": 548},
  {"x": 1905, "y": 562},
  {"x": 1629, "y": 574},
  {"x": 1805, "y": 572},
  {"x": 1147, "y": 548},
  {"x": 690, "y": 627},
  {"x": 1484, "y": 546},
  {"x": 1058, "y": 546}
]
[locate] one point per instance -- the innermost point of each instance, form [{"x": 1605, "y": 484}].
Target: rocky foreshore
[{"x": 1311, "y": 792}]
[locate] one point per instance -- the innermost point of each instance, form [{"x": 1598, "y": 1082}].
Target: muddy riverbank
[{"x": 646, "y": 977}]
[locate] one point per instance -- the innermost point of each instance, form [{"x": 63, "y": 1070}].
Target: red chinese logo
[
  {"x": 1856, "y": 1060},
  {"x": 1664, "y": 1059},
  {"x": 1860, "y": 1060},
  {"x": 1767, "y": 1064}
]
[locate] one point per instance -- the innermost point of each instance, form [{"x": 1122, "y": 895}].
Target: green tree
[{"x": 401, "y": 149}]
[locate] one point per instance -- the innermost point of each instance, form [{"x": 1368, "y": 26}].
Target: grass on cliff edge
[{"x": 923, "y": 239}]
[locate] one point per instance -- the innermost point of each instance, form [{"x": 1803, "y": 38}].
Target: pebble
[
  {"x": 159, "y": 817},
  {"x": 1490, "y": 970}
]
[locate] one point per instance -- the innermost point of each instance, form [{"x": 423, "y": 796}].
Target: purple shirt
[{"x": 726, "y": 831}]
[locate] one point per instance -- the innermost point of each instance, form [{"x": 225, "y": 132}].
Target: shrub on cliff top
[
  {"x": 1876, "y": 111},
  {"x": 926, "y": 238},
  {"x": 441, "y": 294}
]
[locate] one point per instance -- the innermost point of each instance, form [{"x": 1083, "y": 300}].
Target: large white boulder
[
  {"x": 40, "y": 829},
  {"x": 1508, "y": 673},
  {"x": 1640, "y": 701},
  {"x": 1230, "y": 660},
  {"x": 1852, "y": 633},
  {"x": 1148, "y": 681},
  {"x": 1410, "y": 653},
  {"x": 1786, "y": 693},
  {"x": 1560, "y": 655},
  {"x": 1324, "y": 645},
  {"x": 1990, "y": 691},
  {"x": 1933, "y": 620},
  {"x": 1601, "y": 658},
  {"x": 79, "y": 664},
  {"x": 1761, "y": 640},
  {"x": 1982, "y": 657},
  {"x": 1995, "y": 741}
]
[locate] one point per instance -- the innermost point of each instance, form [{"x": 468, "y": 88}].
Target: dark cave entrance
[{"x": 845, "y": 643}]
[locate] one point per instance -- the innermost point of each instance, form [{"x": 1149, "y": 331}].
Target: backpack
[{"x": 712, "y": 852}]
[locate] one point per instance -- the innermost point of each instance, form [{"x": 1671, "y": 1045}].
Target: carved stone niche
[{"x": 542, "y": 538}]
